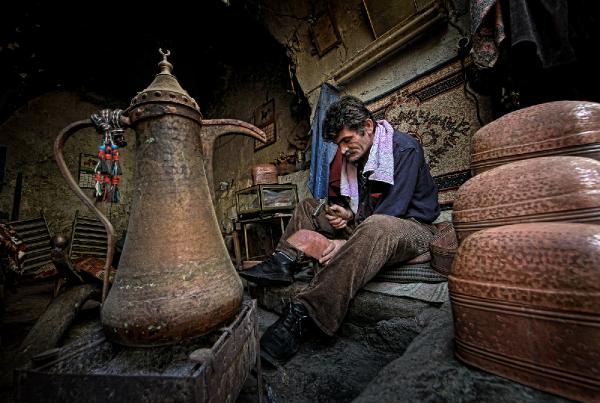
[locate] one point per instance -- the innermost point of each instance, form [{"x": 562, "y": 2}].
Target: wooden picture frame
[
  {"x": 393, "y": 28},
  {"x": 386, "y": 14},
  {"x": 87, "y": 170},
  {"x": 264, "y": 119},
  {"x": 325, "y": 33}
]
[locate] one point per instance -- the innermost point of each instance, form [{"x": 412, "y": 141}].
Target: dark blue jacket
[{"x": 413, "y": 195}]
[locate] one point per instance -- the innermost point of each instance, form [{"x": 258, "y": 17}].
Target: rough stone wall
[
  {"x": 234, "y": 154},
  {"x": 29, "y": 136},
  {"x": 289, "y": 23}
]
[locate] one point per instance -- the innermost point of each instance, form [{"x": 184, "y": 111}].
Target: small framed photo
[
  {"x": 264, "y": 119},
  {"x": 87, "y": 170},
  {"x": 387, "y": 14},
  {"x": 325, "y": 34}
]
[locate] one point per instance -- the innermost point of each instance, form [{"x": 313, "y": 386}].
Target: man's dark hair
[{"x": 347, "y": 113}]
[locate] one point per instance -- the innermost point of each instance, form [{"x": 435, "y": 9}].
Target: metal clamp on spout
[{"x": 113, "y": 121}]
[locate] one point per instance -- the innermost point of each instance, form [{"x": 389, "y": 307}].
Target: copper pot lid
[
  {"x": 165, "y": 88},
  {"x": 555, "y": 265},
  {"x": 536, "y": 129},
  {"x": 532, "y": 188}
]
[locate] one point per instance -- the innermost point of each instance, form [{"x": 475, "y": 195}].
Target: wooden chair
[
  {"x": 88, "y": 238},
  {"x": 36, "y": 235}
]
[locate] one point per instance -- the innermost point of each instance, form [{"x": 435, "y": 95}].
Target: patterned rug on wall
[{"x": 436, "y": 110}]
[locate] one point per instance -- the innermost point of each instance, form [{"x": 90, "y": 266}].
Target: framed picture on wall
[
  {"x": 264, "y": 119},
  {"x": 324, "y": 33},
  {"x": 87, "y": 170},
  {"x": 387, "y": 14}
]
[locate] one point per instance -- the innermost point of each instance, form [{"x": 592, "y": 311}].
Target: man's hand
[
  {"x": 331, "y": 250},
  {"x": 338, "y": 216}
]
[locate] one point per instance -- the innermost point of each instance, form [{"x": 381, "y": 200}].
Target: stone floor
[
  {"x": 333, "y": 369},
  {"x": 389, "y": 349},
  {"x": 22, "y": 308}
]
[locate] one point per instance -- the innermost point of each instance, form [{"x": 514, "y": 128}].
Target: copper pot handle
[
  {"x": 213, "y": 128},
  {"x": 59, "y": 145}
]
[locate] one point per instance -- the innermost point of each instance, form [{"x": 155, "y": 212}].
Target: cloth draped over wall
[
  {"x": 322, "y": 152},
  {"x": 545, "y": 24}
]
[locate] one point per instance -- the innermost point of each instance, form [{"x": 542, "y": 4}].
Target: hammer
[{"x": 322, "y": 203}]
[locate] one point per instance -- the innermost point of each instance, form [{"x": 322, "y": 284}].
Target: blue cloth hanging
[{"x": 323, "y": 152}]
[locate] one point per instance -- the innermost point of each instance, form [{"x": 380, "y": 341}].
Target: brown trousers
[{"x": 378, "y": 241}]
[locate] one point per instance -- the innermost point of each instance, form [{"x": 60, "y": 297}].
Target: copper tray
[
  {"x": 554, "y": 128},
  {"x": 533, "y": 190},
  {"x": 526, "y": 302}
]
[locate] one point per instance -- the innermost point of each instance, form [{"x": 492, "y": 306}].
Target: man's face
[{"x": 353, "y": 145}]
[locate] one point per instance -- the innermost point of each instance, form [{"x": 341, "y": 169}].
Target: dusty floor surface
[
  {"x": 326, "y": 369},
  {"x": 399, "y": 359},
  {"x": 22, "y": 308}
]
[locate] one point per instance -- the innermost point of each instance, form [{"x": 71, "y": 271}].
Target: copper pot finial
[
  {"x": 165, "y": 66},
  {"x": 164, "y": 89}
]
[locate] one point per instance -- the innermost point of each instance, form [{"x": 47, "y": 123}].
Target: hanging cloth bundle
[{"x": 108, "y": 170}]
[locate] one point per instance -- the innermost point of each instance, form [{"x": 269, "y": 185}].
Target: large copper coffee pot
[{"x": 175, "y": 278}]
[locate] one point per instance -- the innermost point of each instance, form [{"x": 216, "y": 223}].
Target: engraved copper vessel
[
  {"x": 537, "y": 189},
  {"x": 175, "y": 278},
  {"x": 554, "y": 128},
  {"x": 526, "y": 302}
]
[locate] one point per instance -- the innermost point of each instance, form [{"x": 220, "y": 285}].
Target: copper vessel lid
[
  {"x": 551, "y": 264},
  {"x": 544, "y": 185},
  {"x": 536, "y": 128},
  {"x": 165, "y": 88}
]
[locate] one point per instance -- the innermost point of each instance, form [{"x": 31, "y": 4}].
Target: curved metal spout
[
  {"x": 59, "y": 146},
  {"x": 213, "y": 128}
]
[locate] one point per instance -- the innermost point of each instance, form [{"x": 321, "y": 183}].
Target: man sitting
[{"x": 392, "y": 203}]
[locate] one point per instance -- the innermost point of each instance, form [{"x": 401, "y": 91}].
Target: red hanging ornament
[
  {"x": 102, "y": 157},
  {"x": 98, "y": 185},
  {"x": 116, "y": 168},
  {"x": 115, "y": 192},
  {"x": 106, "y": 188},
  {"x": 108, "y": 157},
  {"x": 108, "y": 169}
]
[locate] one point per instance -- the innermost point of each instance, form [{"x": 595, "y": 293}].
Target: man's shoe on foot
[
  {"x": 281, "y": 341},
  {"x": 277, "y": 269}
]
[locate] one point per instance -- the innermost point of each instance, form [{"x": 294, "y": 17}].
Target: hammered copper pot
[
  {"x": 554, "y": 128},
  {"x": 526, "y": 302},
  {"x": 537, "y": 189},
  {"x": 264, "y": 174},
  {"x": 175, "y": 278}
]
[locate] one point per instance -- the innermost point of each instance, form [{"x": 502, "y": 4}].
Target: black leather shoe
[
  {"x": 277, "y": 269},
  {"x": 281, "y": 340}
]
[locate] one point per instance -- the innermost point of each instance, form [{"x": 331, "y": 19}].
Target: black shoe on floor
[
  {"x": 281, "y": 340},
  {"x": 277, "y": 269}
]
